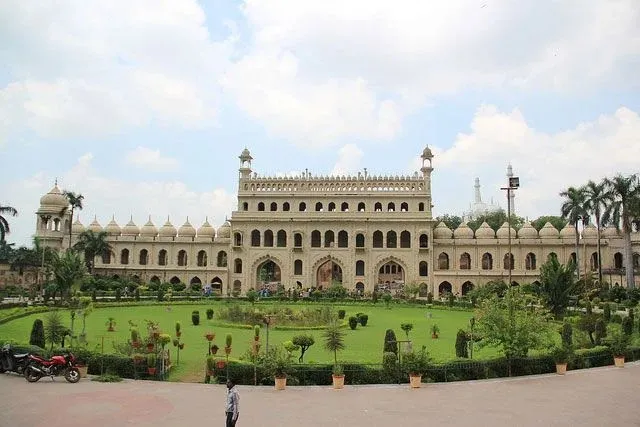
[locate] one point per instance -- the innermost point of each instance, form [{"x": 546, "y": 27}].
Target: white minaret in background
[{"x": 513, "y": 193}]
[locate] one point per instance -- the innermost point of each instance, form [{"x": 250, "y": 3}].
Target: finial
[{"x": 56, "y": 181}]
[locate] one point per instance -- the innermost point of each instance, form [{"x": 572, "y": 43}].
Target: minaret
[
  {"x": 245, "y": 164},
  {"x": 512, "y": 193},
  {"x": 477, "y": 197}
]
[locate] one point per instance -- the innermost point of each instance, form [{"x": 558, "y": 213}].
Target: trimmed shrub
[
  {"x": 600, "y": 331},
  {"x": 195, "y": 317},
  {"x": 118, "y": 294},
  {"x": 627, "y": 326},
  {"x": 37, "y": 334},
  {"x": 606, "y": 312},
  {"x": 136, "y": 294},
  {"x": 353, "y": 322},
  {"x": 390, "y": 342},
  {"x": 363, "y": 319},
  {"x": 462, "y": 338},
  {"x": 209, "y": 313},
  {"x": 341, "y": 314},
  {"x": 632, "y": 316},
  {"x": 566, "y": 333}
]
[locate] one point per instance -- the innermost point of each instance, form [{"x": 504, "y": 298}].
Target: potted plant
[
  {"x": 227, "y": 347},
  {"x": 214, "y": 349},
  {"x": 176, "y": 342},
  {"x": 209, "y": 313},
  {"x": 181, "y": 346},
  {"x": 135, "y": 338},
  {"x": 618, "y": 347},
  {"x": 111, "y": 324},
  {"x": 209, "y": 336},
  {"x": 178, "y": 329},
  {"x": 256, "y": 333},
  {"x": 150, "y": 345},
  {"x": 151, "y": 362},
  {"x": 277, "y": 364},
  {"x": 334, "y": 342},
  {"x": 138, "y": 358},
  {"x": 435, "y": 331},
  {"x": 164, "y": 339},
  {"x": 562, "y": 355},
  {"x": 416, "y": 364}
]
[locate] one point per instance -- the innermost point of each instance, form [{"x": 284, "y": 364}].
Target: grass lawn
[{"x": 363, "y": 345}]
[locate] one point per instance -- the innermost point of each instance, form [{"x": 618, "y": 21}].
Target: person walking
[{"x": 233, "y": 404}]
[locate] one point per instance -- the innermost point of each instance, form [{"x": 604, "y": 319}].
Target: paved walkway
[{"x": 596, "y": 397}]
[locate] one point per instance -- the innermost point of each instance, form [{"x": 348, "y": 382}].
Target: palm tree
[
  {"x": 75, "y": 201},
  {"x": 596, "y": 198},
  {"x": 334, "y": 341},
  {"x": 624, "y": 193},
  {"x": 67, "y": 268},
  {"x": 4, "y": 224},
  {"x": 92, "y": 244},
  {"x": 573, "y": 210}
]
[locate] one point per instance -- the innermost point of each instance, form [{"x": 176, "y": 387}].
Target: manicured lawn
[{"x": 363, "y": 345}]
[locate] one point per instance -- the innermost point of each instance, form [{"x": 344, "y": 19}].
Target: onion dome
[
  {"x": 77, "y": 227},
  {"x": 95, "y": 226},
  {"x": 168, "y": 230},
  {"x": 442, "y": 231},
  {"x": 224, "y": 232},
  {"x": 503, "y": 231},
  {"x": 206, "y": 230},
  {"x": 610, "y": 232},
  {"x": 485, "y": 232},
  {"x": 527, "y": 231},
  {"x": 54, "y": 198},
  {"x": 131, "y": 229},
  {"x": 548, "y": 232},
  {"x": 149, "y": 229},
  {"x": 590, "y": 232},
  {"x": 187, "y": 230},
  {"x": 426, "y": 153},
  {"x": 463, "y": 232},
  {"x": 113, "y": 228},
  {"x": 568, "y": 232}
]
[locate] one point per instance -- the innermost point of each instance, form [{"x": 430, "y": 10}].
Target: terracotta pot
[
  {"x": 338, "y": 381},
  {"x": 210, "y": 337},
  {"x": 150, "y": 346},
  {"x": 415, "y": 381},
  {"x": 220, "y": 364},
  {"x": 561, "y": 368},
  {"x": 618, "y": 361},
  {"x": 214, "y": 350},
  {"x": 281, "y": 383},
  {"x": 178, "y": 333},
  {"x": 83, "y": 371},
  {"x": 434, "y": 336},
  {"x": 151, "y": 371},
  {"x": 181, "y": 346},
  {"x": 110, "y": 329}
]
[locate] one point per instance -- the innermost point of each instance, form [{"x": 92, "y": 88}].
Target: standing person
[{"x": 233, "y": 404}]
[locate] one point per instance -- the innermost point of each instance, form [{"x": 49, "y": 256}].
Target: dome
[
  {"x": 77, "y": 227},
  {"x": 245, "y": 155},
  {"x": 426, "y": 153},
  {"x": 568, "y": 232},
  {"x": 463, "y": 232},
  {"x": 224, "y": 232},
  {"x": 590, "y": 232},
  {"x": 610, "y": 232},
  {"x": 149, "y": 229},
  {"x": 503, "y": 231},
  {"x": 527, "y": 231},
  {"x": 113, "y": 227},
  {"x": 95, "y": 226},
  {"x": 168, "y": 230},
  {"x": 187, "y": 230},
  {"x": 485, "y": 232},
  {"x": 54, "y": 198},
  {"x": 131, "y": 229},
  {"x": 206, "y": 230},
  {"x": 442, "y": 231},
  {"x": 548, "y": 232}
]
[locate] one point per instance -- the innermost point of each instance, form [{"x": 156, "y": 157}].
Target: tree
[
  {"x": 557, "y": 285},
  {"x": 92, "y": 244},
  {"x": 37, "y": 334},
  {"x": 407, "y": 327},
  {"x": 6, "y": 251},
  {"x": 624, "y": 202},
  {"x": 573, "y": 210},
  {"x": 334, "y": 341},
  {"x": 597, "y": 198},
  {"x": 4, "y": 223},
  {"x": 252, "y": 296},
  {"x": 54, "y": 330},
  {"x": 412, "y": 290},
  {"x": 390, "y": 342},
  {"x": 67, "y": 269},
  {"x": 451, "y": 221},
  {"x": 304, "y": 342},
  {"x": 495, "y": 220},
  {"x": 557, "y": 221},
  {"x": 75, "y": 201}
]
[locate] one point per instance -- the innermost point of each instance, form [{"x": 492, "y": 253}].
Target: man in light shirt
[{"x": 233, "y": 404}]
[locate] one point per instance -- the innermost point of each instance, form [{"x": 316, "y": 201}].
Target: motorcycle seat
[{"x": 20, "y": 356}]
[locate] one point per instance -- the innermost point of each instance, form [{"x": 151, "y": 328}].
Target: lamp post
[{"x": 512, "y": 185}]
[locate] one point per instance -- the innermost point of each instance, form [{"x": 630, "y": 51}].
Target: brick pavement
[{"x": 595, "y": 397}]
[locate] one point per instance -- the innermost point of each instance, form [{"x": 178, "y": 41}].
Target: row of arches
[
  {"x": 182, "y": 258},
  {"x": 618, "y": 260},
  {"x": 329, "y": 239},
  {"x": 487, "y": 261},
  {"x": 332, "y": 187},
  {"x": 333, "y": 207},
  {"x": 216, "y": 283}
]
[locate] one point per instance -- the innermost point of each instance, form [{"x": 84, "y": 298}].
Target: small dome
[
  {"x": 485, "y": 232},
  {"x": 568, "y": 232},
  {"x": 590, "y": 232},
  {"x": 610, "y": 232},
  {"x": 224, "y": 232},
  {"x": 548, "y": 232},
  {"x": 168, "y": 230},
  {"x": 113, "y": 228},
  {"x": 206, "y": 230},
  {"x": 187, "y": 230},
  {"x": 503, "y": 231},
  {"x": 463, "y": 232},
  {"x": 527, "y": 231},
  {"x": 426, "y": 153},
  {"x": 131, "y": 229},
  {"x": 54, "y": 198},
  {"x": 245, "y": 155},
  {"x": 77, "y": 227},
  {"x": 442, "y": 231},
  {"x": 95, "y": 226},
  {"x": 149, "y": 229}
]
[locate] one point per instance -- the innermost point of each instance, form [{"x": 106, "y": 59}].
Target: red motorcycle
[{"x": 39, "y": 367}]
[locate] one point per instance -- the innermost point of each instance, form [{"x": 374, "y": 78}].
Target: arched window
[
  {"x": 297, "y": 240},
  {"x": 421, "y": 207},
  {"x": 573, "y": 257},
  {"x": 377, "y": 239},
  {"x": 319, "y": 207},
  {"x": 343, "y": 239},
  {"x": 508, "y": 261},
  {"x": 316, "y": 238},
  {"x": 378, "y": 207},
  {"x": 237, "y": 239},
  {"x": 361, "y": 207},
  {"x": 636, "y": 260},
  {"x": 617, "y": 260},
  {"x": 405, "y": 239},
  {"x": 443, "y": 261},
  {"x": 302, "y": 207},
  {"x": 344, "y": 207},
  {"x": 423, "y": 268},
  {"x": 551, "y": 256},
  {"x": 162, "y": 257},
  {"x": 274, "y": 206},
  {"x": 255, "y": 238},
  {"x": 143, "y": 259},
  {"x": 106, "y": 257},
  {"x": 424, "y": 241},
  {"x": 487, "y": 261},
  {"x": 182, "y": 258},
  {"x": 530, "y": 261},
  {"x": 261, "y": 207},
  {"x": 286, "y": 207},
  {"x": 222, "y": 259},
  {"x": 124, "y": 256},
  {"x": 268, "y": 239},
  {"x": 245, "y": 206},
  {"x": 175, "y": 280},
  {"x": 593, "y": 262},
  {"x": 329, "y": 239},
  {"x": 392, "y": 239},
  {"x": 465, "y": 261},
  {"x": 466, "y": 288},
  {"x": 331, "y": 207},
  {"x": 237, "y": 265},
  {"x": 359, "y": 240},
  {"x": 297, "y": 267},
  {"x": 391, "y": 207},
  {"x": 404, "y": 207},
  {"x": 359, "y": 268},
  {"x": 237, "y": 287},
  {"x": 202, "y": 259},
  {"x": 282, "y": 239}
]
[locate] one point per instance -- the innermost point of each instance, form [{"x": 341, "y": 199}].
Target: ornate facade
[{"x": 363, "y": 231}]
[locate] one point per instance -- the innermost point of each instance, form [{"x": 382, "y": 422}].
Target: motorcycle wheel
[
  {"x": 72, "y": 375},
  {"x": 31, "y": 375}
]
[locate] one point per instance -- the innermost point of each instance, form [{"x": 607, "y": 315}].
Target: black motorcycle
[{"x": 12, "y": 361}]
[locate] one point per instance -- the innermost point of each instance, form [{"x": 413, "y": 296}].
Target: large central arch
[
  {"x": 268, "y": 273},
  {"x": 390, "y": 273},
  {"x": 328, "y": 271}
]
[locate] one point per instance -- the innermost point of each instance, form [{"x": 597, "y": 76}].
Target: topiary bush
[
  {"x": 341, "y": 314},
  {"x": 37, "y": 334},
  {"x": 600, "y": 331},
  {"x": 363, "y": 319},
  {"x": 606, "y": 312},
  {"x": 566, "y": 333},
  {"x": 390, "y": 342},
  {"x": 627, "y": 326},
  {"x": 195, "y": 317},
  {"x": 462, "y": 349},
  {"x": 209, "y": 313},
  {"x": 353, "y": 322}
]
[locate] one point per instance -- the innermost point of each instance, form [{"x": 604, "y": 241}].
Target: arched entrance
[
  {"x": 444, "y": 288},
  {"x": 328, "y": 273},
  {"x": 268, "y": 276},
  {"x": 360, "y": 288},
  {"x": 216, "y": 285},
  {"x": 390, "y": 276},
  {"x": 466, "y": 288}
]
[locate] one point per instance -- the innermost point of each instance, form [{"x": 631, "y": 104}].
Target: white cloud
[
  {"x": 349, "y": 159},
  {"x": 149, "y": 159}
]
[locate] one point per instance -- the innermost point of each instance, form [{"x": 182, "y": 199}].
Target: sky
[{"x": 143, "y": 106}]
